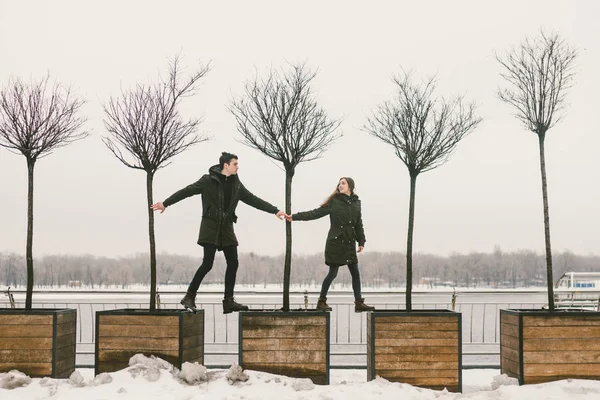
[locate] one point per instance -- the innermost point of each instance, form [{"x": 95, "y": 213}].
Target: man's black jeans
[{"x": 231, "y": 258}]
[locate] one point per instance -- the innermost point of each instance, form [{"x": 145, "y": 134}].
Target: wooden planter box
[
  {"x": 294, "y": 343},
  {"x": 174, "y": 335},
  {"x": 541, "y": 346},
  {"x": 38, "y": 342},
  {"x": 422, "y": 348}
]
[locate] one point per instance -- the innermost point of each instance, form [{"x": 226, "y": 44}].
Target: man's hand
[
  {"x": 281, "y": 215},
  {"x": 360, "y": 248},
  {"x": 288, "y": 218},
  {"x": 158, "y": 206}
]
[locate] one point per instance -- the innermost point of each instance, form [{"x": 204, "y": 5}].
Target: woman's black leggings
[{"x": 333, "y": 271}]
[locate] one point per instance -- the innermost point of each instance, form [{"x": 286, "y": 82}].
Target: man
[{"x": 221, "y": 191}]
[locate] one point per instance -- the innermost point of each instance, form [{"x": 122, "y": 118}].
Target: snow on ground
[{"x": 149, "y": 378}]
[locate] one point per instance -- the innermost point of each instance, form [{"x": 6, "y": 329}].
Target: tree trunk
[
  {"x": 29, "y": 246},
  {"x": 149, "y": 179},
  {"x": 409, "y": 240},
  {"x": 549, "y": 278},
  {"x": 287, "y": 268}
]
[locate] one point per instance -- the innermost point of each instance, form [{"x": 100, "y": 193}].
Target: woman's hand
[
  {"x": 360, "y": 248},
  {"x": 288, "y": 218}
]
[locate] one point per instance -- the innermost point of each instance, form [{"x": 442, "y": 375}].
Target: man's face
[{"x": 232, "y": 167}]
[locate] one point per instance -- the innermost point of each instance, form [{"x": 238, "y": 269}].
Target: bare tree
[
  {"x": 424, "y": 131},
  {"x": 35, "y": 119},
  {"x": 538, "y": 72},
  {"x": 280, "y": 117},
  {"x": 147, "y": 130}
]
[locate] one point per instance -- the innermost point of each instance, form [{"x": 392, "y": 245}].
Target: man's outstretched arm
[
  {"x": 190, "y": 190},
  {"x": 247, "y": 197}
]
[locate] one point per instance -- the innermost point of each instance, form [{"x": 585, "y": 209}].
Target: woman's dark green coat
[
  {"x": 216, "y": 227},
  {"x": 346, "y": 228}
]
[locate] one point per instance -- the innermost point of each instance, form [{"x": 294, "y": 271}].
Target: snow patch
[
  {"x": 303, "y": 384},
  {"x": 236, "y": 374},
  {"x": 193, "y": 373},
  {"x": 503, "y": 380},
  {"x": 102, "y": 379},
  {"x": 76, "y": 379},
  {"x": 14, "y": 379}
]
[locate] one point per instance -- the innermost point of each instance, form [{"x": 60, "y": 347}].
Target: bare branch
[
  {"x": 145, "y": 126},
  {"x": 423, "y": 130},
  {"x": 38, "y": 117},
  {"x": 538, "y": 73},
  {"x": 279, "y": 117}
]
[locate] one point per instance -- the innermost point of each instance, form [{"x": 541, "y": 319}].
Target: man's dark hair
[{"x": 226, "y": 159}]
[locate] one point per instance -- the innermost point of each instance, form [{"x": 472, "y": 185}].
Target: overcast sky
[{"x": 488, "y": 194}]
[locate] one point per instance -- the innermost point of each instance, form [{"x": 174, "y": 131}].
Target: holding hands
[
  {"x": 158, "y": 206},
  {"x": 282, "y": 215}
]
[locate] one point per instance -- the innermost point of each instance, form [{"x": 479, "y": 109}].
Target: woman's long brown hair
[{"x": 351, "y": 186}]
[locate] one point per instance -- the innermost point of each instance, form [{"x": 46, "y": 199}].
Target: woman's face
[{"x": 343, "y": 186}]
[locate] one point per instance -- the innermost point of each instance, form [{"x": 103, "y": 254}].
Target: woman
[{"x": 343, "y": 208}]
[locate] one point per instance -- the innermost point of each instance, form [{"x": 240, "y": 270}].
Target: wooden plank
[
  {"x": 565, "y": 332},
  {"x": 379, "y": 365},
  {"x": 25, "y": 319},
  {"x": 563, "y": 320},
  {"x": 416, "y": 342},
  {"x": 193, "y": 341},
  {"x": 193, "y": 330},
  {"x": 297, "y": 331},
  {"x": 284, "y": 344},
  {"x": 23, "y": 331},
  {"x": 66, "y": 373},
  {"x": 194, "y": 354},
  {"x": 380, "y": 349},
  {"x": 154, "y": 320},
  {"x": 509, "y": 341},
  {"x": 112, "y": 366},
  {"x": 510, "y": 366},
  {"x": 411, "y": 373},
  {"x": 288, "y": 369},
  {"x": 510, "y": 354},
  {"x": 63, "y": 318},
  {"x": 417, "y": 326},
  {"x": 125, "y": 355},
  {"x": 145, "y": 344},
  {"x": 509, "y": 319},
  {"x": 561, "y": 344},
  {"x": 283, "y": 356},
  {"x": 417, "y": 357},
  {"x": 26, "y": 343},
  {"x": 562, "y": 357},
  {"x": 138, "y": 331},
  {"x": 546, "y": 369},
  {"x": 509, "y": 330},
  {"x": 62, "y": 365},
  {"x": 428, "y": 381},
  {"x": 66, "y": 340},
  {"x": 66, "y": 353},
  {"x": 31, "y": 369},
  {"x": 530, "y": 380},
  {"x": 66, "y": 329},
  {"x": 283, "y": 320},
  {"x": 416, "y": 334},
  {"x": 26, "y": 355},
  {"x": 415, "y": 319}
]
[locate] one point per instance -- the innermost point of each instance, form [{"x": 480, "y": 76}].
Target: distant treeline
[{"x": 378, "y": 269}]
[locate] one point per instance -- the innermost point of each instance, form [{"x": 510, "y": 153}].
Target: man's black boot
[
  {"x": 230, "y": 305},
  {"x": 189, "y": 301}
]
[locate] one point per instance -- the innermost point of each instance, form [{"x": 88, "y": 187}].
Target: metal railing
[{"x": 480, "y": 321}]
